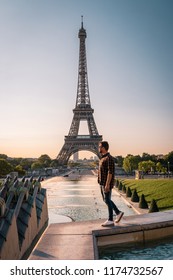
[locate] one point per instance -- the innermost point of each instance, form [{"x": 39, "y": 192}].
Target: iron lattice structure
[{"x": 82, "y": 112}]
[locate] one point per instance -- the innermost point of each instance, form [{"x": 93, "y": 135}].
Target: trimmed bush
[
  {"x": 128, "y": 192},
  {"x": 142, "y": 202},
  {"x": 120, "y": 186},
  {"x": 153, "y": 206},
  {"x": 135, "y": 197},
  {"x": 116, "y": 183},
  {"x": 124, "y": 188}
]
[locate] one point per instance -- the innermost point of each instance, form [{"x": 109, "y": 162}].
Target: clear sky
[{"x": 130, "y": 71}]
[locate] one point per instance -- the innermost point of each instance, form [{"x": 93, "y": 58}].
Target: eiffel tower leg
[{"x": 64, "y": 154}]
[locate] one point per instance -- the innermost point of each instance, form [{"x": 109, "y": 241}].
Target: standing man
[{"x": 106, "y": 180}]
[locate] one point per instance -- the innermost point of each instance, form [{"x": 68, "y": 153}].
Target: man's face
[{"x": 100, "y": 148}]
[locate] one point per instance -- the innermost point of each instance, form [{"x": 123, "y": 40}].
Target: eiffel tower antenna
[
  {"x": 81, "y": 21},
  {"x": 82, "y": 112}
]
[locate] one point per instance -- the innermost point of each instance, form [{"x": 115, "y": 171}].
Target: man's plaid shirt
[{"x": 106, "y": 165}]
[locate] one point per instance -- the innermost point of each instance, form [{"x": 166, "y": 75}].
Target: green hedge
[
  {"x": 128, "y": 192},
  {"x": 153, "y": 206},
  {"x": 135, "y": 197},
  {"x": 159, "y": 189},
  {"x": 142, "y": 202}
]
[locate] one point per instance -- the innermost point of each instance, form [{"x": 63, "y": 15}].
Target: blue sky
[{"x": 130, "y": 64}]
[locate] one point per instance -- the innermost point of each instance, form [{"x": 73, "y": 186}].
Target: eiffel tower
[{"x": 82, "y": 112}]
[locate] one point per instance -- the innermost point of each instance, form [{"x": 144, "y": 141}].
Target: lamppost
[{"x": 168, "y": 169}]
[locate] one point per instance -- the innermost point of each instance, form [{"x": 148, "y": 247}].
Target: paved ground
[{"x": 69, "y": 200}]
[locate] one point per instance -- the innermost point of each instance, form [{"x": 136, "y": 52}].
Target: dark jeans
[{"x": 111, "y": 205}]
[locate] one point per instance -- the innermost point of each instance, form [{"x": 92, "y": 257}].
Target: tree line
[
  {"x": 22, "y": 165},
  {"x": 146, "y": 163}
]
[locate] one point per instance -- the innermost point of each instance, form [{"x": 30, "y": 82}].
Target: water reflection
[
  {"x": 159, "y": 250},
  {"x": 78, "y": 200}
]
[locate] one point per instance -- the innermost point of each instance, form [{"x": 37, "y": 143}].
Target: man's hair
[{"x": 105, "y": 145}]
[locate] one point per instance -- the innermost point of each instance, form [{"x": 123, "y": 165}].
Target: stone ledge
[{"x": 82, "y": 240}]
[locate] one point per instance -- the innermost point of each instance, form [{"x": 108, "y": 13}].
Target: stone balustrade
[{"x": 23, "y": 216}]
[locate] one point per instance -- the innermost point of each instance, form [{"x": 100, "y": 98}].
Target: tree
[
  {"x": 119, "y": 160},
  {"x": 134, "y": 160},
  {"x": 127, "y": 165},
  {"x": 146, "y": 166},
  {"x": 5, "y": 167},
  {"x": 159, "y": 167},
  {"x": 26, "y": 163},
  {"x": 169, "y": 158},
  {"x": 130, "y": 163},
  {"x": 20, "y": 170},
  {"x": 14, "y": 161},
  {"x": 36, "y": 165},
  {"x": 3, "y": 156},
  {"x": 146, "y": 157},
  {"x": 45, "y": 160}
]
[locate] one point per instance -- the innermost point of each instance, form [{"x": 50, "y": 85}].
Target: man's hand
[{"x": 107, "y": 188}]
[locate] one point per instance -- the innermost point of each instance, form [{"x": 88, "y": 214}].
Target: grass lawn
[{"x": 159, "y": 189}]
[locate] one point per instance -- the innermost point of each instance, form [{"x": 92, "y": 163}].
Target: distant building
[
  {"x": 76, "y": 157},
  {"x": 119, "y": 170}
]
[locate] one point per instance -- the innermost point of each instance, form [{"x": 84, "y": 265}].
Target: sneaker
[
  {"x": 118, "y": 217},
  {"x": 108, "y": 223}
]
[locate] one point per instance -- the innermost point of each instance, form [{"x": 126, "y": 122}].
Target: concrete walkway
[{"x": 80, "y": 240}]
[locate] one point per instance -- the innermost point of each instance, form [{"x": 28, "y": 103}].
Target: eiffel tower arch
[{"x": 82, "y": 112}]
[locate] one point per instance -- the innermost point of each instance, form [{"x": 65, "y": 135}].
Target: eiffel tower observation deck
[{"x": 82, "y": 112}]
